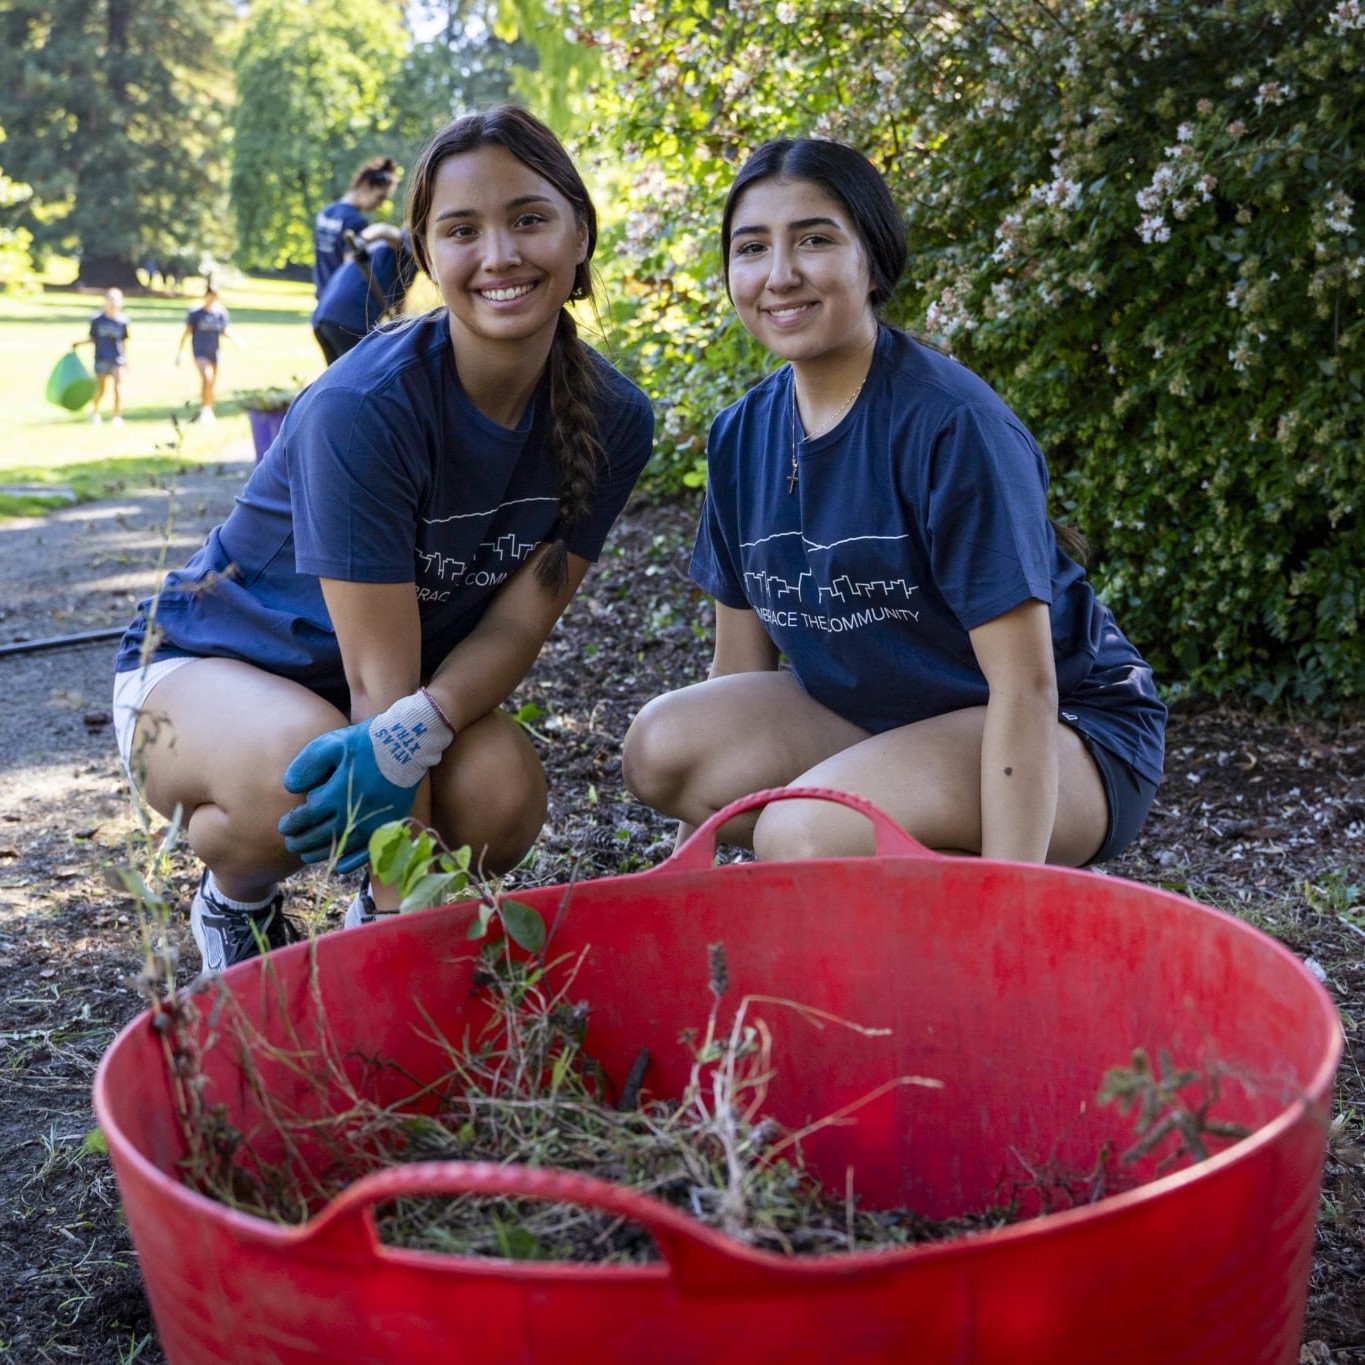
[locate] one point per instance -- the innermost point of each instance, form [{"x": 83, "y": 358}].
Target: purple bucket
[{"x": 265, "y": 426}]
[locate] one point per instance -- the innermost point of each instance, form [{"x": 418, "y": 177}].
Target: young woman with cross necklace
[{"x": 876, "y": 517}]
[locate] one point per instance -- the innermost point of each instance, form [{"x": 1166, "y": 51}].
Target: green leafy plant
[
  {"x": 426, "y": 873},
  {"x": 265, "y": 400}
]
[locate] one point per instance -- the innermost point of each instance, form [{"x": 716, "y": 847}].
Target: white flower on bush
[
  {"x": 1234, "y": 296},
  {"x": 1347, "y": 15},
  {"x": 786, "y": 13},
  {"x": 1272, "y": 92},
  {"x": 1337, "y": 212},
  {"x": 1242, "y": 356},
  {"x": 1010, "y": 235},
  {"x": 1060, "y": 193},
  {"x": 948, "y": 314},
  {"x": 1154, "y": 228}
]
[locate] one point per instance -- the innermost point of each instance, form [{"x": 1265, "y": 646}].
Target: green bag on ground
[{"x": 70, "y": 385}]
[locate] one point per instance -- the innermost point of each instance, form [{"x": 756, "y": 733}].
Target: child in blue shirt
[
  {"x": 876, "y": 515},
  {"x": 338, "y": 652},
  {"x": 109, "y": 336},
  {"x": 203, "y": 327}
]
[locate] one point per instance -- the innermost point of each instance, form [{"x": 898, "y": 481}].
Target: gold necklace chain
[{"x": 843, "y": 407}]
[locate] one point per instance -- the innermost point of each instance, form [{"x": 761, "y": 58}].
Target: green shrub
[{"x": 1136, "y": 218}]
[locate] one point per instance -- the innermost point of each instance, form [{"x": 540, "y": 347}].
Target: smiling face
[
  {"x": 798, "y": 272},
  {"x": 503, "y": 247}
]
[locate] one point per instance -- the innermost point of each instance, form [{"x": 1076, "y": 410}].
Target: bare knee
[
  {"x": 655, "y": 759},
  {"x": 490, "y": 794},
  {"x": 790, "y": 830}
]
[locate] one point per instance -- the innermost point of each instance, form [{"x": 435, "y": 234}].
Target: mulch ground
[{"x": 1261, "y": 813}]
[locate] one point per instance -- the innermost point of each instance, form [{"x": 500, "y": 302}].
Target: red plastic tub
[{"x": 1017, "y": 986}]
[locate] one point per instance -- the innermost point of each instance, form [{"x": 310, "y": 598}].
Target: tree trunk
[{"x": 108, "y": 272}]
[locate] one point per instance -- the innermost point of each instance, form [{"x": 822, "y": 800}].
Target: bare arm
[
  {"x": 482, "y": 671},
  {"x": 379, "y": 630},
  {"x": 1019, "y": 746},
  {"x": 742, "y": 645},
  {"x": 380, "y": 635}
]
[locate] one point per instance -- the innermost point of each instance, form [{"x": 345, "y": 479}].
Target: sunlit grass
[{"x": 40, "y": 441}]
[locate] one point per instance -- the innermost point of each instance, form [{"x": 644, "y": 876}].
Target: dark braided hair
[{"x": 574, "y": 381}]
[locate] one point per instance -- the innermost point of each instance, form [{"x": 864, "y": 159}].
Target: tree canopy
[
  {"x": 115, "y": 113},
  {"x": 312, "y": 77}
]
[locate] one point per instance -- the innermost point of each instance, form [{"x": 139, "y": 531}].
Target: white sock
[{"x": 211, "y": 886}]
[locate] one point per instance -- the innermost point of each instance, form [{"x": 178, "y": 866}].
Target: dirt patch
[{"x": 1260, "y": 813}]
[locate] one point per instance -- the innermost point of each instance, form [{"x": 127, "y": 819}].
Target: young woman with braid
[{"x": 337, "y": 653}]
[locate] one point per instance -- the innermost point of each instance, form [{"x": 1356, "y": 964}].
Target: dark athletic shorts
[{"x": 1129, "y": 795}]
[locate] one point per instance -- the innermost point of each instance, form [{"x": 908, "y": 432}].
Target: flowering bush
[{"x": 1139, "y": 219}]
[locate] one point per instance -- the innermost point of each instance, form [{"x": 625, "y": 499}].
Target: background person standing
[
  {"x": 203, "y": 327},
  {"x": 109, "y": 336}
]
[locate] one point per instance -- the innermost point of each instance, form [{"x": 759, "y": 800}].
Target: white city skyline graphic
[
  {"x": 776, "y": 588},
  {"x": 507, "y": 548}
]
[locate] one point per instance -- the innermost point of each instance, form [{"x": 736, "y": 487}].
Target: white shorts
[{"x": 131, "y": 690}]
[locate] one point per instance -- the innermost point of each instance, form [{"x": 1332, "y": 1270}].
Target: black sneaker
[{"x": 226, "y": 936}]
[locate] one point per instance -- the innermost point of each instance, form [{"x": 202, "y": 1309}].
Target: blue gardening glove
[{"x": 359, "y": 777}]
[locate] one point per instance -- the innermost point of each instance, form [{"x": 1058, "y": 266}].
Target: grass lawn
[{"x": 41, "y": 443}]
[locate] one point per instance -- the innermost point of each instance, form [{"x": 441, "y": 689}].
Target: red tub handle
[
  {"x": 698, "y": 1256},
  {"x": 700, "y": 850}
]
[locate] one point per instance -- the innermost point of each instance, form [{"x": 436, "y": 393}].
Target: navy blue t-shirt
[
  {"x": 921, "y": 515},
  {"x": 385, "y": 472},
  {"x": 109, "y": 334},
  {"x": 206, "y": 326},
  {"x": 351, "y": 301},
  {"x": 329, "y": 239}
]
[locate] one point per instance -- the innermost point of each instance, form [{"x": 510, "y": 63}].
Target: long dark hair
[
  {"x": 845, "y": 174},
  {"x": 574, "y": 383}
]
